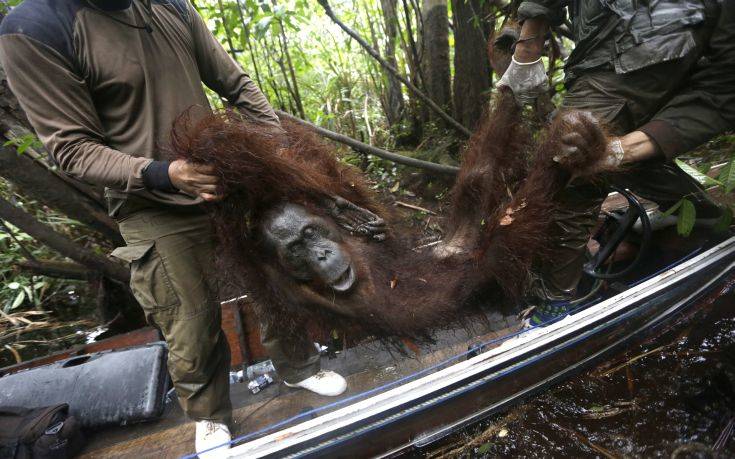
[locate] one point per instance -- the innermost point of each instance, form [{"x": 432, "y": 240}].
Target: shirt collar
[{"x": 112, "y": 5}]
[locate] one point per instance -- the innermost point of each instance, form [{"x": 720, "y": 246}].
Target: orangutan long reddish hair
[{"x": 499, "y": 214}]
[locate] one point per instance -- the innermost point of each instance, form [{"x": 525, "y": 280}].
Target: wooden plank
[
  {"x": 233, "y": 329},
  {"x": 371, "y": 367}
]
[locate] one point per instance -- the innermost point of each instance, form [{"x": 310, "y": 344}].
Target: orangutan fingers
[
  {"x": 340, "y": 202},
  {"x": 574, "y": 144},
  {"x": 376, "y": 225}
]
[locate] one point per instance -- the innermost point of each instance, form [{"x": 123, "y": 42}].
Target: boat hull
[{"x": 429, "y": 408}]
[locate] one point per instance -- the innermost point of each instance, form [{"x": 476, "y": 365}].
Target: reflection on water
[{"x": 673, "y": 396}]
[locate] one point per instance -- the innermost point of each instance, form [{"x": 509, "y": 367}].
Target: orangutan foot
[
  {"x": 212, "y": 440},
  {"x": 327, "y": 383}
]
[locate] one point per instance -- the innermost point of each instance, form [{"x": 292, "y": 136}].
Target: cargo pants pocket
[{"x": 149, "y": 280}]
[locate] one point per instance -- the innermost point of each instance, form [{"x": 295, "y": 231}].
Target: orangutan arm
[{"x": 517, "y": 234}]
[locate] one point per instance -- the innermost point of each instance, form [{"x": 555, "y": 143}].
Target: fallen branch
[
  {"x": 371, "y": 150},
  {"x": 634, "y": 359},
  {"x": 412, "y": 207},
  {"x": 57, "y": 269},
  {"x": 426, "y": 99},
  {"x": 586, "y": 441},
  {"x": 61, "y": 243}
]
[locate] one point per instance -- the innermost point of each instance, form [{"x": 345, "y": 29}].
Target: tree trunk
[
  {"x": 37, "y": 182},
  {"x": 472, "y": 74},
  {"x": 420, "y": 94},
  {"x": 283, "y": 41},
  {"x": 394, "y": 100},
  {"x": 436, "y": 53},
  {"x": 228, "y": 35},
  {"x": 61, "y": 243},
  {"x": 58, "y": 269},
  {"x": 439, "y": 169}
]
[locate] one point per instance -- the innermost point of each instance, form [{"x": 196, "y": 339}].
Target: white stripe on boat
[{"x": 523, "y": 344}]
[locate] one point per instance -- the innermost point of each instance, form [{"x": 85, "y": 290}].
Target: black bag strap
[{"x": 25, "y": 425}]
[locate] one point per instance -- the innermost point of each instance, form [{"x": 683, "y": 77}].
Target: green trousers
[
  {"x": 622, "y": 102},
  {"x": 171, "y": 252}
]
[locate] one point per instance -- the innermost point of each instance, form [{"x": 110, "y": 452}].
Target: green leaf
[
  {"x": 703, "y": 179},
  {"x": 14, "y": 286},
  {"x": 687, "y": 216},
  {"x": 18, "y": 300},
  {"x": 725, "y": 220},
  {"x": 673, "y": 209},
  {"x": 484, "y": 449},
  {"x": 727, "y": 176}
]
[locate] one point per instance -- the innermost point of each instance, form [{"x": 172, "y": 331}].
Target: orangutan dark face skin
[{"x": 309, "y": 247}]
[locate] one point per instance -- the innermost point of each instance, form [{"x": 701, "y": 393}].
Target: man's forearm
[
  {"x": 530, "y": 44},
  {"x": 637, "y": 146}
]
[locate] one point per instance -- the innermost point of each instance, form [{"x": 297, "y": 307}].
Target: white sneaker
[
  {"x": 327, "y": 383},
  {"x": 211, "y": 434}
]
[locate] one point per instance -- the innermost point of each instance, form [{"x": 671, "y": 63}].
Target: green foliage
[
  {"x": 724, "y": 183},
  {"x": 21, "y": 290},
  {"x": 23, "y": 143},
  {"x": 687, "y": 216}
]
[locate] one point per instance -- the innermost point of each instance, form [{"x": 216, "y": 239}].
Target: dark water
[
  {"x": 68, "y": 321},
  {"x": 674, "y": 400}
]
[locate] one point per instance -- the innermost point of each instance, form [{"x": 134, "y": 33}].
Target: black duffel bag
[{"x": 39, "y": 433}]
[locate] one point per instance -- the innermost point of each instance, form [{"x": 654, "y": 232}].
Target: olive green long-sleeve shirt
[
  {"x": 103, "y": 93},
  {"x": 633, "y": 36}
]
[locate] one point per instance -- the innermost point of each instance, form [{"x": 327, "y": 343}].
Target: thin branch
[
  {"x": 369, "y": 149},
  {"x": 444, "y": 115}
]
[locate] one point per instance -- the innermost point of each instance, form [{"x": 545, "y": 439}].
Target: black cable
[{"x": 146, "y": 23}]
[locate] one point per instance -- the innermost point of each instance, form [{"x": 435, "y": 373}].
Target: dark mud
[{"x": 672, "y": 396}]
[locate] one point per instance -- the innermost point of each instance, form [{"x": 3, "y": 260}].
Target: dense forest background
[{"x": 406, "y": 76}]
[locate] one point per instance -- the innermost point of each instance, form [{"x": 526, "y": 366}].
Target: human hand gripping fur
[
  {"x": 195, "y": 179},
  {"x": 585, "y": 148}
]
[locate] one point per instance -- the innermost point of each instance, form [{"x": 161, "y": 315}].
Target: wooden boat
[
  {"x": 397, "y": 402},
  {"x": 439, "y": 400}
]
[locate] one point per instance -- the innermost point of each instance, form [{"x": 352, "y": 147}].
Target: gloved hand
[
  {"x": 526, "y": 80},
  {"x": 356, "y": 219}
]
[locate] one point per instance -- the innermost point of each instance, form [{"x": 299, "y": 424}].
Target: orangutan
[{"x": 309, "y": 235}]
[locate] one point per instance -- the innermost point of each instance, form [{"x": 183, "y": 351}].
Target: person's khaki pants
[{"x": 171, "y": 253}]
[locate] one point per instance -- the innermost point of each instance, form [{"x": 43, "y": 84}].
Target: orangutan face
[{"x": 309, "y": 247}]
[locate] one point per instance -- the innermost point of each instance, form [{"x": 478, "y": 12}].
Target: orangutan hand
[
  {"x": 194, "y": 180},
  {"x": 584, "y": 148},
  {"x": 356, "y": 219}
]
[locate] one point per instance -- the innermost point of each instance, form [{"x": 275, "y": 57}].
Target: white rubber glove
[
  {"x": 526, "y": 80},
  {"x": 616, "y": 153}
]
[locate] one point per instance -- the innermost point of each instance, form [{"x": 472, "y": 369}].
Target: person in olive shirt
[
  {"x": 102, "y": 82},
  {"x": 660, "y": 75}
]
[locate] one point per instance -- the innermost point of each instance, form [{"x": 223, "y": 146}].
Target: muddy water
[{"x": 673, "y": 396}]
